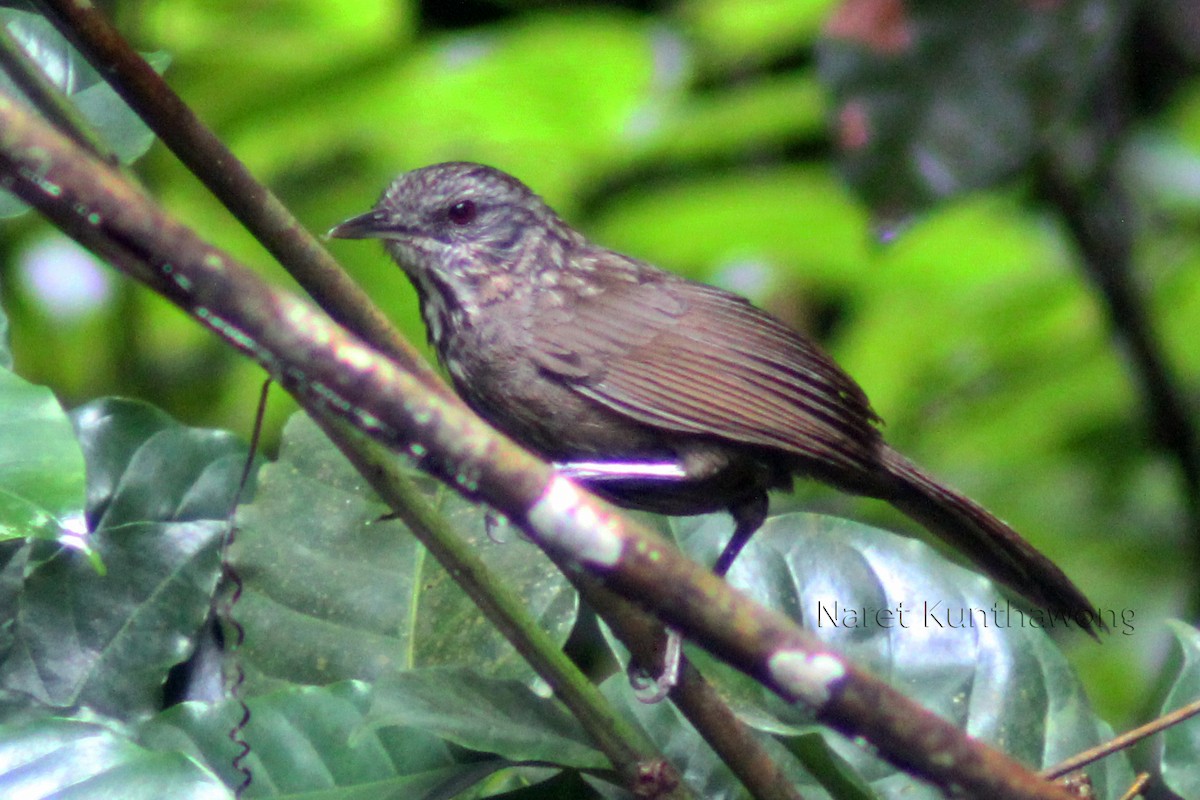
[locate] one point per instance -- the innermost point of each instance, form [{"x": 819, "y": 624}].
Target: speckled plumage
[{"x": 586, "y": 355}]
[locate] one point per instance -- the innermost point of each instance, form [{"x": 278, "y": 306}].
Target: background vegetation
[{"x": 917, "y": 208}]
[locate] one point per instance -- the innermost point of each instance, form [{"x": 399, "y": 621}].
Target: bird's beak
[{"x": 374, "y": 224}]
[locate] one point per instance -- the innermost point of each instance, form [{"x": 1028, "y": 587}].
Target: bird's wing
[{"x": 696, "y": 359}]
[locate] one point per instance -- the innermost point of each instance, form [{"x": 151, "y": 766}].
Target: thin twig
[
  {"x": 1136, "y": 787},
  {"x": 1125, "y": 740}
]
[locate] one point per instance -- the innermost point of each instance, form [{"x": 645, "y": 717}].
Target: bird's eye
[{"x": 463, "y": 212}]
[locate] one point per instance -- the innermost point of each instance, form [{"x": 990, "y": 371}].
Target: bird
[{"x": 657, "y": 392}]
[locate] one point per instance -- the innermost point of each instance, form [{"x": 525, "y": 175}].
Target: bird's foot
[{"x": 653, "y": 688}]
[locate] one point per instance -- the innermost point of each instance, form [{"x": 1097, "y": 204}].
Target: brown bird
[{"x": 658, "y": 392}]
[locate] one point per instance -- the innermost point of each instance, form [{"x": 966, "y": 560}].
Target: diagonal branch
[{"x": 332, "y": 371}]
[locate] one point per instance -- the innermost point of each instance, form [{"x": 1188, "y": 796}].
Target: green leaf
[
  {"x": 19, "y": 518},
  {"x": 6, "y": 361},
  {"x": 74, "y": 760},
  {"x": 332, "y": 592},
  {"x": 1180, "y": 744},
  {"x": 159, "y": 499},
  {"x": 145, "y": 466},
  {"x": 835, "y": 774},
  {"x": 112, "y": 120},
  {"x": 780, "y": 216},
  {"x": 285, "y": 45},
  {"x": 307, "y": 739},
  {"x": 107, "y": 641},
  {"x": 484, "y": 714},
  {"x": 587, "y": 73},
  {"x": 41, "y": 468}
]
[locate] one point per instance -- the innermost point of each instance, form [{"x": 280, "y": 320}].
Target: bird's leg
[
  {"x": 647, "y": 687},
  {"x": 493, "y": 520},
  {"x": 748, "y": 516}
]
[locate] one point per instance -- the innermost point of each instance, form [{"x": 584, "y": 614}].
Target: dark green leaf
[
  {"x": 159, "y": 498},
  {"x": 484, "y": 714},
  {"x": 14, "y": 561},
  {"x": 143, "y": 466},
  {"x": 305, "y": 740},
  {"x": 107, "y": 641},
  {"x": 110, "y": 431},
  {"x": 938, "y": 633}
]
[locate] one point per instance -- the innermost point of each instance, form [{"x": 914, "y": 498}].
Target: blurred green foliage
[{"x": 695, "y": 134}]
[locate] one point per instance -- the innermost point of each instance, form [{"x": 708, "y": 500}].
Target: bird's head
[{"x": 456, "y": 217}]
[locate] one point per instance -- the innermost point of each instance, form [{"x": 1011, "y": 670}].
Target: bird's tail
[{"x": 990, "y": 543}]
